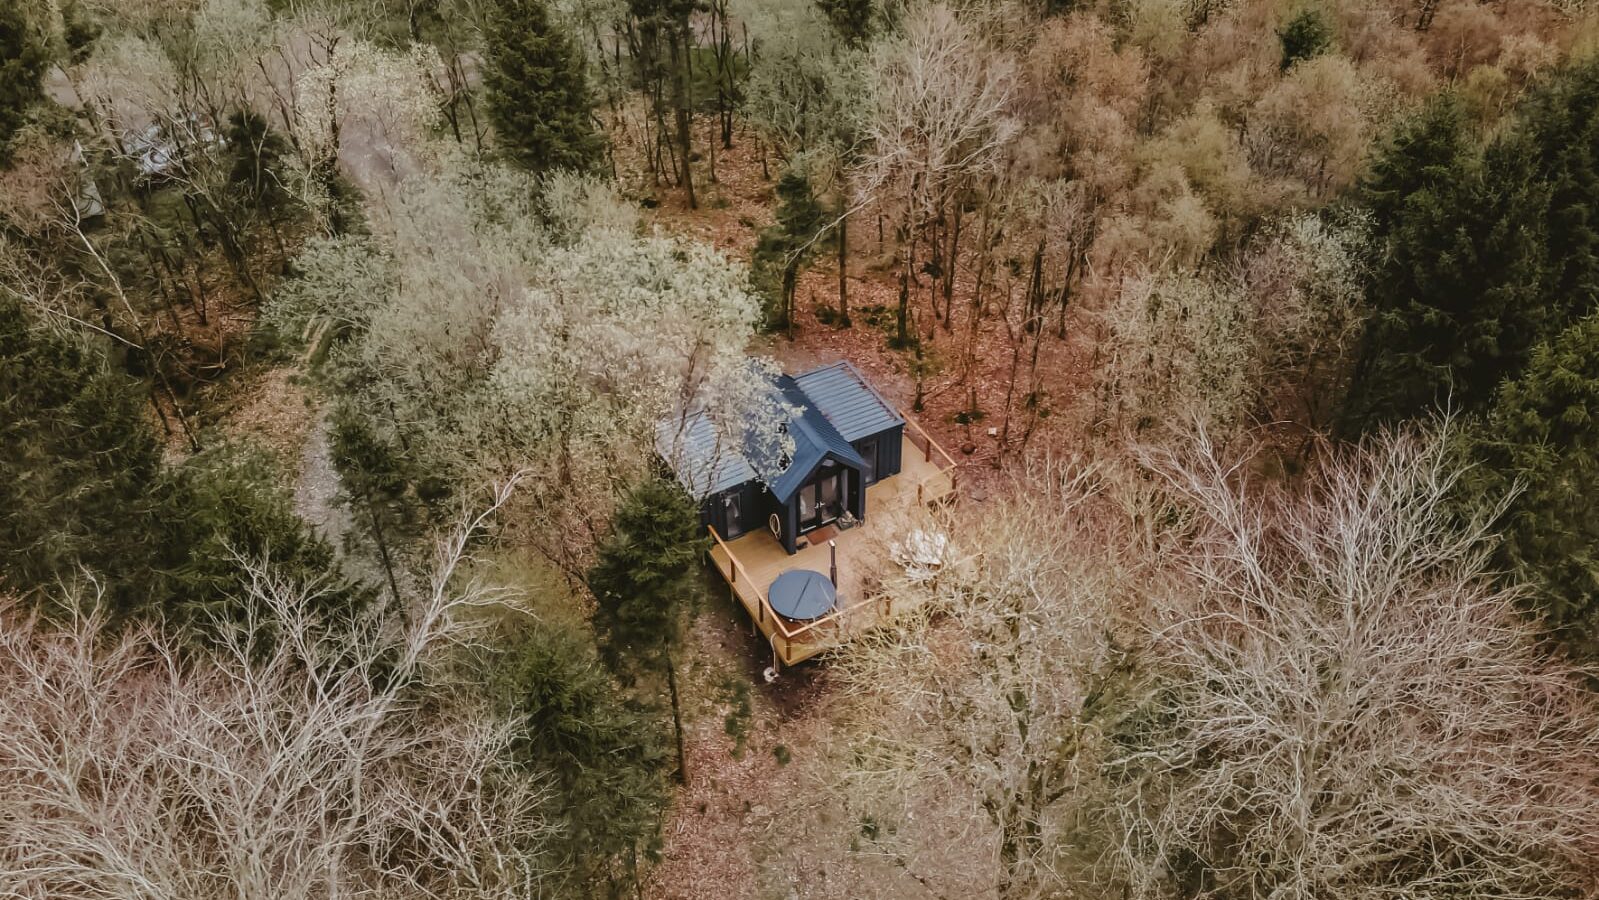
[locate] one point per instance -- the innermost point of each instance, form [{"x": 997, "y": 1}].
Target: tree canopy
[{"x": 538, "y": 97}]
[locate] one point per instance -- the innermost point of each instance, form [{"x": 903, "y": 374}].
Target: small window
[{"x": 868, "y": 451}]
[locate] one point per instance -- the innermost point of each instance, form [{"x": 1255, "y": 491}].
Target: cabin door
[{"x": 822, "y": 500}]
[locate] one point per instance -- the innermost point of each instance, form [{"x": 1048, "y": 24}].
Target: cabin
[
  {"x": 796, "y": 547},
  {"x": 846, "y": 436}
]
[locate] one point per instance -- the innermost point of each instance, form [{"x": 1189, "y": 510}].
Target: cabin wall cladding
[
  {"x": 752, "y": 502},
  {"x": 889, "y": 451}
]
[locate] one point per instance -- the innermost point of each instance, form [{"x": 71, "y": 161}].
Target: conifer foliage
[
  {"x": 785, "y": 248},
  {"x": 538, "y": 98},
  {"x": 643, "y": 583},
  {"x": 23, "y": 59},
  {"x": 1542, "y": 437}
]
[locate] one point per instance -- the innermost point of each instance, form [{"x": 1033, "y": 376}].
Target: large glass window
[
  {"x": 822, "y": 499},
  {"x": 868, "y": 451},
  {"x": 832, "y": 496}
]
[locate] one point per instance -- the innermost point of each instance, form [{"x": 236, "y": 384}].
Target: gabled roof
[
  {"x": 834, "y": 405},
  {"x": 815, "y": 439},
  {"x": 842, "y": 394}
]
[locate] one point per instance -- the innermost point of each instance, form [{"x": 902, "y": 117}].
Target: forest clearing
[{"x": 777, "y": 449}]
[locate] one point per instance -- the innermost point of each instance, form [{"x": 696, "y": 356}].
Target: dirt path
[{"x": 316, "y": 488}]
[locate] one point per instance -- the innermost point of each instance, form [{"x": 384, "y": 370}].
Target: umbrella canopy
[{"x": 801, "y": 594}]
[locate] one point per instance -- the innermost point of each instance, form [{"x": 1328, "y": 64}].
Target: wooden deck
[{"x": 751, "y": 562}]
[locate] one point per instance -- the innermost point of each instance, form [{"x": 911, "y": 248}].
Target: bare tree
[
  {"x": 990, "y": 695},
  {"x": 295, "y": 758},
  {"x": 1353, "y": 706},
  {"x": 937, "y": 115}
]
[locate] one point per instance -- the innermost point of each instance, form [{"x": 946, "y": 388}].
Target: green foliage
[
  {"x": 79, "y": 464},
  {"x": 1542, "y": 436},
  {"x": 376, "y": 478},
  {"x": 605, "y": 759},
  {"x": 225, "y": 504},
  {"x": 538, "y": 99},
  {"x": 784, "y": 248},
  {"x": 1479, "y": 257},
  {"x": 23, "y": 59},
  {"x": 643, "y": 578},
  {"x": 852, "y": 19},
  {"x": 83, "y": 492},
  {"x": 259, "y": 158},
  {"x": 1306, "y": 36}
]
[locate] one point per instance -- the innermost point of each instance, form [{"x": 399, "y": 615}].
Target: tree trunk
[
  {"x": 843, "y": 265},
  {"x": 949, "y": 271},
  {"x": 790, "y": 281},
  {"x": 902, "y": 316},
  {"x": 681, "y": 99},
  {"x": 388, "y": 563},
  {"x": 677, "y": 717}
]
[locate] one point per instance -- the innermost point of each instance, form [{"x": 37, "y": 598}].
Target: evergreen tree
[
  {"x": 1480, "y": 257},
  {"x": 605, "y": 758},
  {"x": 784, "y": 248},
  {"x": 79, "y": 464},
  {"x": 1306, "y": 36},
  {"x": 371, "y": 472},
  {"x": 83, "y": 492},
  {"x": 643, "y": 585},
  {"x": 538, "y": 98},
  {"x": 852, "y": 19},
  {"x": 23, "y": 59},
  {"x": 229, "y": 502},
  {"x": 1542, "y": 436}
]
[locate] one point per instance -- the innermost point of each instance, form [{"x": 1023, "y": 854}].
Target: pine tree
[
  {"x": 229, "y": 502},
  {"x": 1542, "y": 436},
  {"x": 1479, "y": 256},
  {"x": 539, "y": 100},
  {"x": 375, "y": 488},
  {"x": 1306, "y": 36},
  {"x": 605, "y": 758},
  {"x": 79, "y": 465},
  {"x": 643, "y": 585},
  {"x": 84, "y": 494},
  {"x": 784, "y": 248},
  {"x": 23, "y": 59}
]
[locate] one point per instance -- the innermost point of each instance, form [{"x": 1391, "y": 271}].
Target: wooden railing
[
  {"x": 783, "y": 634},
  {"x": 921, "y": 440},
  {"x": 738, "y": 578},
  {"x": 927, "y": 445}
]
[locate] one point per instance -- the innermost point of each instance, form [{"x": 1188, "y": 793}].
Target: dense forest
[{"x": 340, "y": 555}]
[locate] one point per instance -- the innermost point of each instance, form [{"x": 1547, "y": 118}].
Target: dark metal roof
[
  {"x": 705, "y": 462},
  {"x": 835, "y": 405},
  {"x": 815, "y": 439},
  {"x": 842, "y": 394}
]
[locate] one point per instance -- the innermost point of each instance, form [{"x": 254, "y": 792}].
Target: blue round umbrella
[{"x": 801, "y": 594}]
